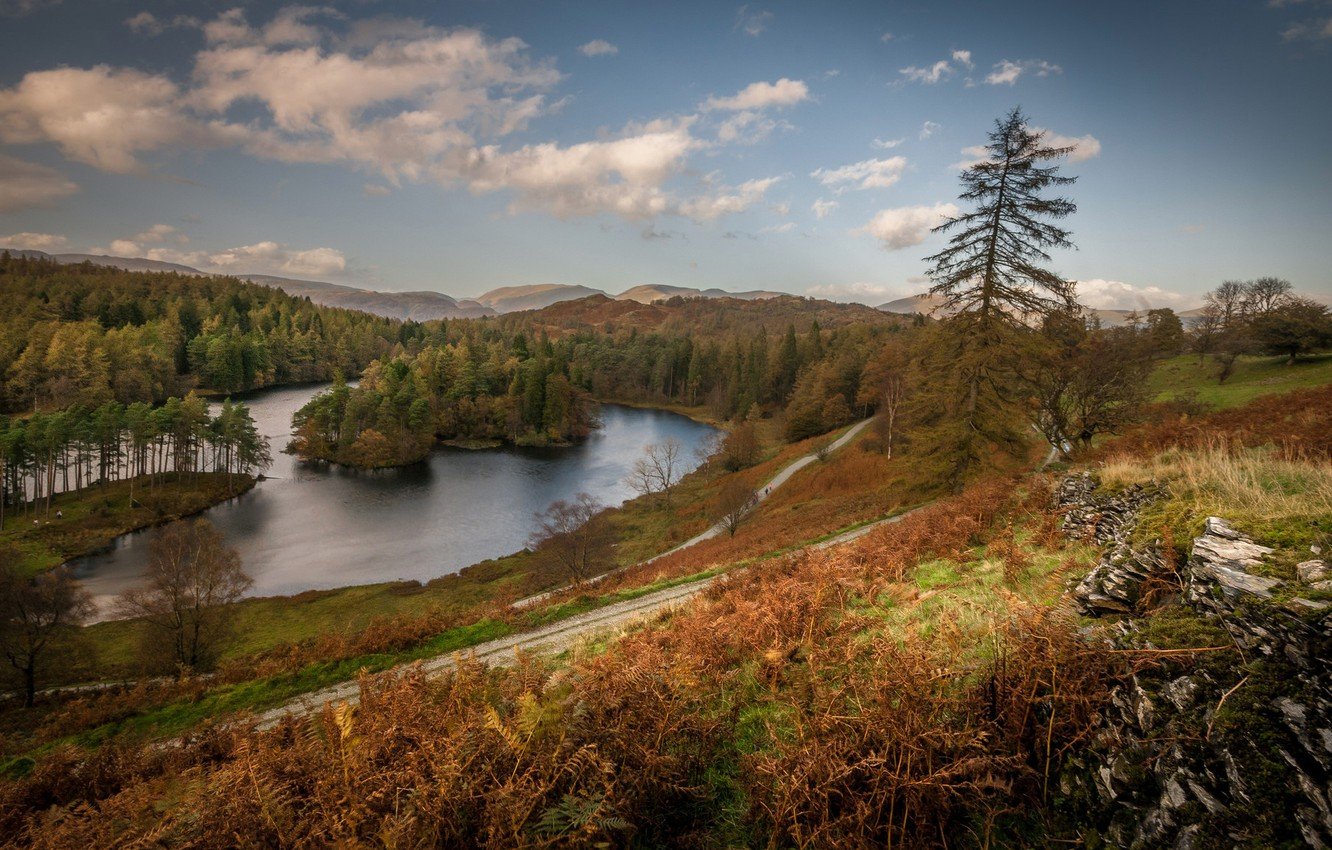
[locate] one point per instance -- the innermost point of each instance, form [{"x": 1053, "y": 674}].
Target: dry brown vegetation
[{"x": 777, "y": 710}]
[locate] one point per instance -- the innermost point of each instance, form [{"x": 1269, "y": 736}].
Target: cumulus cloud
[
  {"x": 161, "y": 233},
  {"x": 1084, "y": 147},
  {"x": 1006, "y": 72},
  {"x": 35, "y": 241},
  {"x": 860, "y": 291},
  {"x": 822, "y": 209},
  {"x": 400, "y": 100},
  {"x": 725, "y": 200},
  {"x": 1314, "y": 30},
  {"x": 26, "y": 184},
  {"x": 752, "y": 20},
  {"x": 598, "y": 47},
  {"x": 963, "y": 57},
  {"x": 867, "y": 174},
  {"x": 1118, "y": 295},
  {"x": 888, "y": 144},
  {"x": 929, "y": 74},
  {"x": 100, "y": 116},
  {"x": 747, "y": 128},
  {"x": 903, "y": 227},
  {"x": 929, "y": 128},
  {"x": 19, "y": 8},
  {"x": 146, "y": 23},
  {"x": 266, "y": 257},
  {"x": 761, "y": 95}
]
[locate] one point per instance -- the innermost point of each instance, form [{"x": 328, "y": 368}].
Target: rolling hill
[{"x": 417, "y": 306}]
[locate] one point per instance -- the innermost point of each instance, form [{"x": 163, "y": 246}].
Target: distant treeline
[
  {"x": 86, "y": 334},
  {"x": 79, "y": 447},
  {"x": 513, "y": 381}
]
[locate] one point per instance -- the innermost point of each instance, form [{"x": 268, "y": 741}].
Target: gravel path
[
  {"x": 557, "y": 637},
  {"x": 760, "y": 495}
]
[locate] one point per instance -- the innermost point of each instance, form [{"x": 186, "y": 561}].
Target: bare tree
[
  {"x": 883, "y": 385},
  {"x": 36, "y": 614},
  {"x": 568, "y": 536},
  {"x": 193, "y": 579},
  {"x": 659, "y": 469},
  {"x": 734, "y": 505}
]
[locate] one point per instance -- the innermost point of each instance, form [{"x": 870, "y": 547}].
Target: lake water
[{"x": 313, "y": 525}]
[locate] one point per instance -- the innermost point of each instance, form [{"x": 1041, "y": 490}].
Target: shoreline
[{"x": 90, "y": 527}]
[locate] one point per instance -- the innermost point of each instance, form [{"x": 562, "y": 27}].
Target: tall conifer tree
[{"x": 994, "y": 285}]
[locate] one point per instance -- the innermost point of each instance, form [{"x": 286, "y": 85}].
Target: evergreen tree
[{"x": 993, "y": 284}]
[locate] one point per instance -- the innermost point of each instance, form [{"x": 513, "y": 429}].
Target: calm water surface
[{"x": 312, "y": 525}]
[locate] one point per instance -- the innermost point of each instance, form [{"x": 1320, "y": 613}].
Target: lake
[{"x": 312, "y": 525}]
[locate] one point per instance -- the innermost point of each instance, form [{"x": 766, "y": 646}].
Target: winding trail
[
  {"x": 760, "y": 495},
  {"x": 557, "y": 637}
]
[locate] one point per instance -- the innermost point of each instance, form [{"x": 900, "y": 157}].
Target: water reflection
[{"x": 315, "y": 526}]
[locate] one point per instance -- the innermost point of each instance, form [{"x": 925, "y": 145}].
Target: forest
[
  {"x": 534, "y": 380},
  {"x": 85, "y": 335}
]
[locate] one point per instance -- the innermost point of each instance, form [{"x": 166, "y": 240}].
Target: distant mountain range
[
  {"x": 419, "y": 306},
  {"x": 930, "y": 304}
]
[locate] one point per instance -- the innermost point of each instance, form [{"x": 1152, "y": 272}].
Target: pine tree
[{"x": 993, "y": 283}]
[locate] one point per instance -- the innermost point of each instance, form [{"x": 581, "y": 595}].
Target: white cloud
[
  {"x": 868, "y": 174},
  {"x": 761, "y": 95},
  {"x": 1117, "y": 295},
  {"x": 26, "y": 184},
  {"x": 929, "y": 128},
  {"x": 1006, "y": 72},
  {"x": 19, "y": 8},
  {"x": 35, "y": 241},
  {"x": 724, "y": 200},
  {"x": 121, "y": 248},
  {"x": 161, "y": 233},
  {"x": 100, "y": 116},
  {"x": 822, "y": 209},
  {"x": 1314, "y": 30},
  {"x": 752, "y": 20},
  {"x": 963, "y": 57},
  {"x": 146, "y": 23},
  {"x": 888, "y": 144},
  {"x": 598, "y": 47},
  {"x": 972, "y": 156},
  {"x": 903, "y": 227},
  {"x": 935, "y": 73},
  {"x": 267, "y": 257},
  {"x": 1084, "y": 147},
  {"x": 399, "y": 100},
  {"x": 859, "y": 291},
  {"x": 886, "y": 37},
  {"x": 747, "y": 128}
]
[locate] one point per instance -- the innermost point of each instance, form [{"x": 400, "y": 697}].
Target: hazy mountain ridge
[{"x": 930, "y": 304}]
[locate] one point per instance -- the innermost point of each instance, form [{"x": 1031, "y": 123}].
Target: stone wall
[{"x": 1230, "y": 746}]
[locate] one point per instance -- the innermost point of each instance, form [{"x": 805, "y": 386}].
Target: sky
[{"x": 802, "y": 147}]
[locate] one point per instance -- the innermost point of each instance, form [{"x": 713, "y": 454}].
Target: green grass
[
  {"x": 1253, "y": 377},
  {"x": 94, "y": 517}
]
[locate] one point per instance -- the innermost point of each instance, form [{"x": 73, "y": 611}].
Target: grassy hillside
[{"x": 1186, "y": 374}]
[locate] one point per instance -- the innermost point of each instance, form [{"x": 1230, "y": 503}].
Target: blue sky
[{"x": 460, "y": 146}]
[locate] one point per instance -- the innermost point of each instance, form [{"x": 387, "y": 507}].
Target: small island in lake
[{"x": 468, "y": 392}]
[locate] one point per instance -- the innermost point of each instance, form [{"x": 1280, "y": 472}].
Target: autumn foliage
[{"x": 772, "y": 712}]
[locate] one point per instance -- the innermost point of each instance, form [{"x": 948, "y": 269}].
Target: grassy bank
[
  {"x": 94, "y": 517},
  {"x": 1181, "y": 376}
]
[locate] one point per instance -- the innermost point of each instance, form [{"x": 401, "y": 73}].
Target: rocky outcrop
[
  {"x": 1231, "y": 746},
  {"x": 1114, "y": 585}
]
